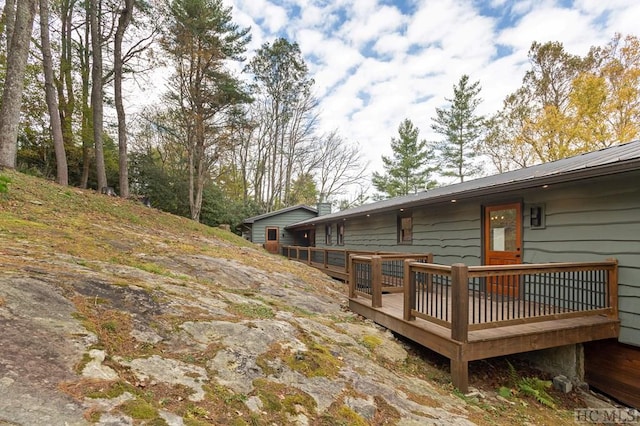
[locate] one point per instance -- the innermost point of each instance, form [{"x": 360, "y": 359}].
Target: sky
[{"x": 377, "y": 62}]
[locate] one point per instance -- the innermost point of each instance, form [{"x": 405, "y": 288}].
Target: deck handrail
[
  {"x": 464, "y": 298},
  {"x": 444, "y": 294},
  {"x": 334, "y": 260},
  {"x": 372, "y": 275}
]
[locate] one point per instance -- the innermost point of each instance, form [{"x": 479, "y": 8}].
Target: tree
[
  {"x": 616, "y": 118},
  {"x": 51, "y": 97},
  {"x": 497, "y": 144},
  {"x": 461, "y": 127},
  {"x": 286, "y": 114},
  {"x": 200, "y": 38},
  {"x": 17, "y": 55},
  {"x": 97, "y": 107},
  {"x": 408, "y": 170},
  {"x": 338, "y": 166},
  {"x": 303, "y": 190},
  {"x": 123, "y": 22},
  {"x": 569, "y": 104},
  {"x": 541, "y": 120}
]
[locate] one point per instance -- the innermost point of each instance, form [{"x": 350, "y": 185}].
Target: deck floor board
[{"x": 502, "y": 340}]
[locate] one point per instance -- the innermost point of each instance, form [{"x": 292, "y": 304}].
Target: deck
[{"x": 468, "y": 313}]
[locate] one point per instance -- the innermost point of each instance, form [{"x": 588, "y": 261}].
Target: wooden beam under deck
[{"x": 489, "y": 342}]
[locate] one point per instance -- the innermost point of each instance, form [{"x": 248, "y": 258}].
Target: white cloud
[{"x": 374, "y": 66}]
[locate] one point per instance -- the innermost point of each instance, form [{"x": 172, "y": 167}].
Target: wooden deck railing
[
  {"x": 372, "y": 275},
  {"x": 333, "y": 261},
  {"x": 465, "y": 298}
]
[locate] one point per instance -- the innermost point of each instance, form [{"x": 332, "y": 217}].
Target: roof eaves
[
  {"x": 252, "y": 219},
  {"x": 585, "y": 171}
]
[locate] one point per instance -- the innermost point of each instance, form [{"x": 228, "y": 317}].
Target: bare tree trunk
[
  {"x": 86, "y": 130},
  {"x": 197, "y": 172},
  {"x": 96, "y": 92},
  {"x": 123, "y": 23},
  {"x": 9, "y": 13},
  {"x": 17, "y": 56},
  {"x": 50, "y": 94},
  {"x": 66, "y": 95}
]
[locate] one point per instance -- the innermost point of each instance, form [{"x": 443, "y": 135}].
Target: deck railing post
[
  {"x": 352, "y": 279},
  {"x": 612, "y": 283},
  {"x": 459, "y": 302},
  {"x": 376, "y": 281},
  {"x": 409, "y": 291},
  {"x": 346, "y": 262},
  {"x": 326, "y": 258}
]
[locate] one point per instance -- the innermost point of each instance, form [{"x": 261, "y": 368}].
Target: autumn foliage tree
[{"x": 568, "y": 104}]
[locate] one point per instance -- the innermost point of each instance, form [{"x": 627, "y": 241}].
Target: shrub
[{"x": 4, "y": 184}]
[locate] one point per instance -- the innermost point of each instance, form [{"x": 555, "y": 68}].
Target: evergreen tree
[
  {"x": 408, "y": 170},
  {"x": 201, "y": 40},
  {"x": 461, "y": 128}
]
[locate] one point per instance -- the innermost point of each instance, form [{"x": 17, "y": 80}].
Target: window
[
  {"x": 327, "y": 234},
  {"x": 340, "y": 236},
  {"x": 405, "y": 230},
  {"x": 272, "y": 234}
]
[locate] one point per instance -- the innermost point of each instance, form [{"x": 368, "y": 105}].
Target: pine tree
[
  {"x": 408, "y": 170},
  {"x": 461, "y": 128}
]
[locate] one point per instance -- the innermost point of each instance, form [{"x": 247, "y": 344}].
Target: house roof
[
  {"x": 253, "y": 219},
  {"x": 607, "y": 161}
]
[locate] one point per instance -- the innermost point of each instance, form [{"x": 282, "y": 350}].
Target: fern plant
[{"x": 532, "y": 387}]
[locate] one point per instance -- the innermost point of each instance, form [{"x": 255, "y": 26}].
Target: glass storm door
[{"x": 503, "y": 245}]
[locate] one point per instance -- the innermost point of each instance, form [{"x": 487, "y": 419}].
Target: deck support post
[
  {"x": 376, "y": 281},
  {"x": 409, "y": 291},
  {"x": 309, "y": 255},
  {"x": 460, "y": 372},
  {"x": 459, "y": 302}
]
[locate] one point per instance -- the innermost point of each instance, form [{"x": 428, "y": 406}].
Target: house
[
  {"x": 269, "y": 230},
  {"x": 580, "y": 209}
]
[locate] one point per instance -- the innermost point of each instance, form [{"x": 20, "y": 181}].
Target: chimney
[{"x": 324, "y": 208}]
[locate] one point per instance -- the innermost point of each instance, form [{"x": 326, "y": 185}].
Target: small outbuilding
[{"x": 268, "y": 229}]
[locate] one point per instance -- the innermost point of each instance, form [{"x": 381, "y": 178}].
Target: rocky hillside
[{"x": 117, "y": 314}]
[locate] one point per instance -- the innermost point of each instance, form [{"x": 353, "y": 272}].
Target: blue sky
[{"x": 376, "y": 62}]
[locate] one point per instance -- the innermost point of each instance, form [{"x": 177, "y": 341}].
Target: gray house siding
[
  {"x": 281, "y": 221},
  {"x": 589, "y": 220},
  {"x": 592, "y": 221},
  {"x": 451, "y": 234}
]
